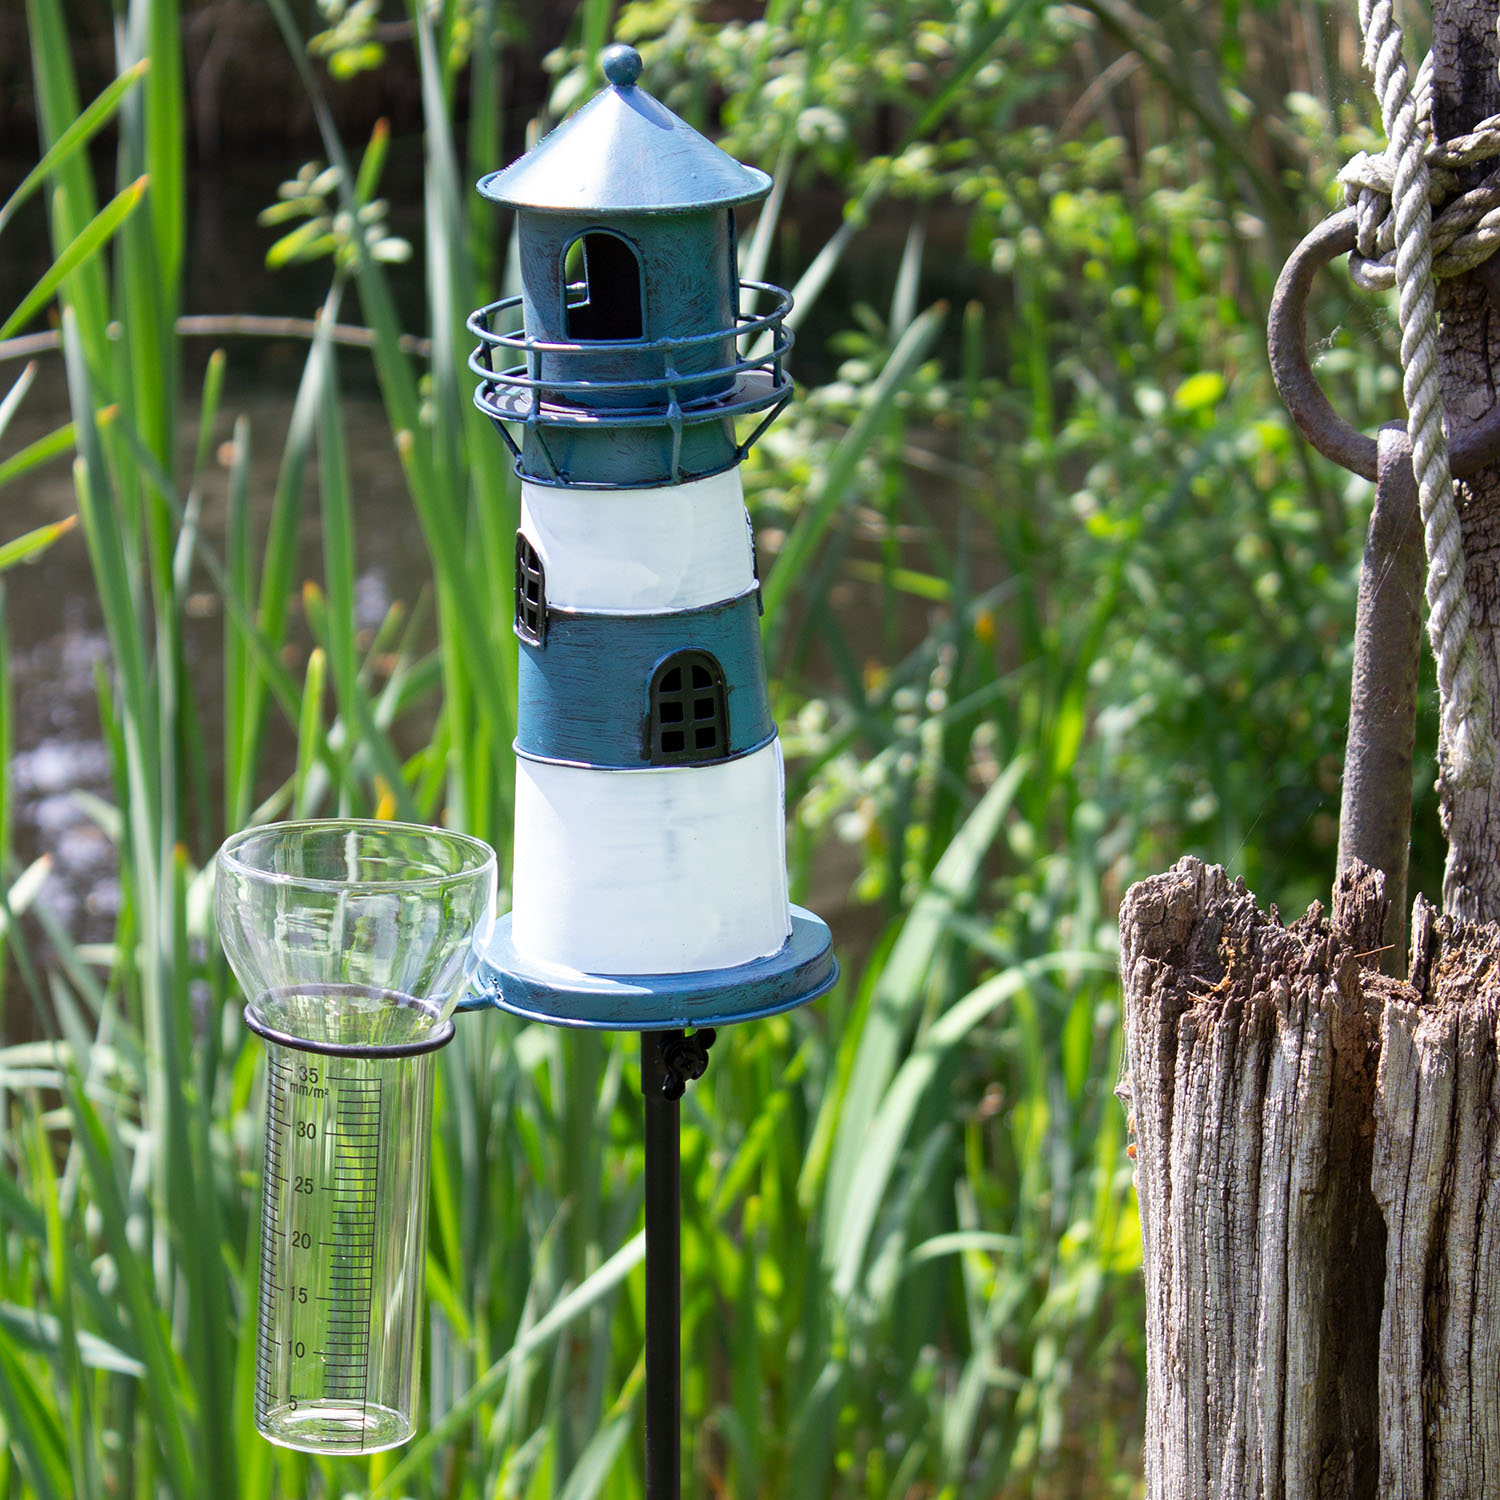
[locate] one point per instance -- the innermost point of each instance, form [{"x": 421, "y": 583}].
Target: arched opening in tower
[{"x": 602, "y": 276}]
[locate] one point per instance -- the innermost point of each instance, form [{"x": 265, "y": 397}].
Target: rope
[
  {"x": 1466, "y": 743},
  {"x": 1466, "y": 231},
  {"x": 1464, "y": 234}
]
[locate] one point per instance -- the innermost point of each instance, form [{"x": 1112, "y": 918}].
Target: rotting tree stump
[{"x": 1319, "y": 1187}]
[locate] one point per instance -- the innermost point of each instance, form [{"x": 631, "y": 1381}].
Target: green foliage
[
  {"x": 351, "y": 44},
  {"x": 1054, "y": 594},
  {"x": 326, "y": 228}
]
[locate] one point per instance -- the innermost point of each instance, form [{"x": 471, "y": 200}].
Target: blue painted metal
[
  {"x": 621, "y": 64},
  {"x": 624, "y": 371},
  {"x": 625, "y": 152},
  {"x": 804, "y": 969},
  {"x": 646, "y": 329},
  {"x": 583, "y": 697},
  {"x": 629, "y": 413},
  {"x": 677, "y": 275}
]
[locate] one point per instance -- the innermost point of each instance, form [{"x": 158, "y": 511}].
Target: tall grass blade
[
  {"x": 338, "y": 550},
  {"x": 833, "y": 486},
  {"x": 899, "y": 988},
  {"x": 34, "y": 454},
  {"x": 85, "y": 245},
  {"x": 240, "y": 701},
  {"x": 32, "y": 544},
  {"x": 15, "y": 395},
  {"x": 462, "y": 588},
  {"x": 33, "y": 1429},
  {"x": 579, "y": 1301},
  {"x": 163, "y": 1388},
  {"x": 908, "y": 277},
  {"x": 156, "y": 26},
  {"x": 888, "y": 1130},
  {"x": 72, "y": 203},
  {"x": 78, "y": 133},
  {"x": 43, "y": 1332},
  {"x": 589, "y": 1474},
  {"x": 68, "y": 1362},
  {"x": 304, "y": 792}
]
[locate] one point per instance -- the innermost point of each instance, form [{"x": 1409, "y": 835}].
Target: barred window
[
  {"x": 531, "y": 593},
  {"x": 689, "y": 719}
]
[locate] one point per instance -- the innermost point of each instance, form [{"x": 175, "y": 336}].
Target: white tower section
[{"x": 656, "y": 869}]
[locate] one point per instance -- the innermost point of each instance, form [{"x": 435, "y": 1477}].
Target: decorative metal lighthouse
[
  {"x": 650, "y": 866},
  {"x": 649, "y": 886}
]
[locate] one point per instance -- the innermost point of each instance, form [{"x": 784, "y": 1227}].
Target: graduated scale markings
[{"x": 318, "y": 1245}]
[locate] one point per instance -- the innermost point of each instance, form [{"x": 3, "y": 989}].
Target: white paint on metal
[
  {"x": 659, "y": 871},
  {"x": 640, "y": 551}
]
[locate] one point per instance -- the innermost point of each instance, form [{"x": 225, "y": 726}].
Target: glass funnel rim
[{"x": 479, "y": 857}]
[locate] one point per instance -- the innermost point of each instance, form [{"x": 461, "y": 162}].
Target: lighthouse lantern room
[{"x": 649, "y": 888}]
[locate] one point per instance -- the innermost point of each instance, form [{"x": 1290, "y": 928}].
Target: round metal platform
[{"x": 801, "y": 971}]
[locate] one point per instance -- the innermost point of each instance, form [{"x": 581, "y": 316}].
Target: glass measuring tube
[
  {"x": 355, "y": 939},
  {"x": 343, "y": 1217}
]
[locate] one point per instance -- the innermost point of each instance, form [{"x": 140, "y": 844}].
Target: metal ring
[
  {"x": 1286, "y": 341},
  {"x": 439, "y": 1037}
]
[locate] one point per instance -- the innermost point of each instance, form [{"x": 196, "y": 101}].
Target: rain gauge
[{"x": 355, "y": 940}]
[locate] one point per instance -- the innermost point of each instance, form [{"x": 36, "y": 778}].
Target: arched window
[
  {"x": 689, "y": 719},
  {"x": 531, "y": 593},
  {"x": 602, "y": 288}
]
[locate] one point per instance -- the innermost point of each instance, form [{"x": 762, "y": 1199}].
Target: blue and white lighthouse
[{"x": 650, "y": 886}]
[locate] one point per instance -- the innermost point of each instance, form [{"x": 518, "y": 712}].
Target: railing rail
[
  {"x": 670, "y": 396},
  {"x": 667, "y": 382}
]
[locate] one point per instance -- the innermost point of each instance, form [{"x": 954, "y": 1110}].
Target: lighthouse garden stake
[
  {"x": 650, "y": 889},
  {"x": 649, "y": 885}
]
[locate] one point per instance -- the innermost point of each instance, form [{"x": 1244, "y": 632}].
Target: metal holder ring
[
  {"x": 440, "y": 1036},
  {"x": 1469, "y": 449}
]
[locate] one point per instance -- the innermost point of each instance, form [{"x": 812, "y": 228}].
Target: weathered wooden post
[{"x": 1318, "y": 1144}]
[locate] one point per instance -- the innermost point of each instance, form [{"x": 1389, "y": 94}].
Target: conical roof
[{"x": 625, "y": 152}]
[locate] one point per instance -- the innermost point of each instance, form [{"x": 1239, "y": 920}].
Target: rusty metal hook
[{"x": 1469, "y": 449}]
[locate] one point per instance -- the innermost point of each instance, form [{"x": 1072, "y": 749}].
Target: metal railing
[{"x": 670, "y": 396}]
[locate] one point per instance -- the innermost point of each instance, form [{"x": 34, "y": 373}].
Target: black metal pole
[{"x": 663, "y": 1267}]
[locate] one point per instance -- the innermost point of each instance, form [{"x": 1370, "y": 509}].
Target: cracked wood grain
[
  {"x": 1252, "y": 1064},
  {"x": 1436, "y": 1175},
  {"x": 1318, "y": 1171}
]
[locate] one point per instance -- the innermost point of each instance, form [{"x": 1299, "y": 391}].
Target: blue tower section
[{"x": 650, "y": 865}]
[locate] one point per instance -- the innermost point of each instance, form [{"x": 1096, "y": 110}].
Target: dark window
[
  {"x": 602, "y": 283},
  {"x": 531, "y": 593},
  {"x": 688, "y": 720},
  {"x": 760, "y": 599}
]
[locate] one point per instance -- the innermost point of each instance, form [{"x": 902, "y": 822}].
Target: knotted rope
[
  {"x": 1466, "y": 230},
  {"x": 1404, "y": 237}
]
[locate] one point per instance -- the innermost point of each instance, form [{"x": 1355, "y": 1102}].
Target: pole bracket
[{"x": 683, "y": 1059}]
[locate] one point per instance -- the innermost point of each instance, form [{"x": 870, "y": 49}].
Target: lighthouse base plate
[{"x": 802, "y": 970}]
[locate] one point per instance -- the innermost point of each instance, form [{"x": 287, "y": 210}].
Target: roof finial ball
[{"x": 622, "y": 64}]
